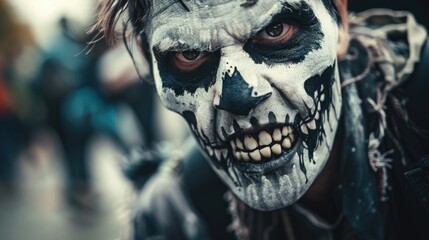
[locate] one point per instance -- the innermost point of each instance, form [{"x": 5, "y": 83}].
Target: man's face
[{"x": 258, "y": 85}]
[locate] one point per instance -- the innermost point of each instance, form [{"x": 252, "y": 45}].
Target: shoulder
[{"x": 395, "y": 47}]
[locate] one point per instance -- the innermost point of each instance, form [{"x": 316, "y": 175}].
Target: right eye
[{"x": 189, "y": 61}]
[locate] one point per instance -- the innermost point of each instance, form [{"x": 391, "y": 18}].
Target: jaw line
[{"x": 262, "y": 168}]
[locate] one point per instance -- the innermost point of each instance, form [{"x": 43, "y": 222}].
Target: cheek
[
  {"x": 290, "y": 78},
  {"x": 177, "y": 103},
  {"x": 184, "y": 92},
  {"x": 196, "y": 107},
  {"x": 170, "y": 97}
]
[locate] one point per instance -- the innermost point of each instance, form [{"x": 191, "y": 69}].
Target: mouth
[
  {"x": 263, "y": 145},
  {"x": 264, "y": 150}
]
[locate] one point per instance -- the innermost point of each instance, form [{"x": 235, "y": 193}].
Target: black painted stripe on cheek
[
  {"x": 272, "y": 118},
  {"x": 190, "y": 118},
  {"x": 237, "y": 128},
  {"x": 225, "y": 135},
  {"x": 312, "y": 85},
  {"x": 287, "y": 119},
  {"x": 255, "y": 123}
]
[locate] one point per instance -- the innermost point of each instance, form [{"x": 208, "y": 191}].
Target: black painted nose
[{"x": 237, "y": 96}]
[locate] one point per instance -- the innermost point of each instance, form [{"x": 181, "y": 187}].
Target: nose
[{"x": 238, "y": 97}]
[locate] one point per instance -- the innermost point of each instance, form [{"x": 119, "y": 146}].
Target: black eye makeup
[
  {"x": 187, "y": 70},
  {"x": 292, "y": 33}
]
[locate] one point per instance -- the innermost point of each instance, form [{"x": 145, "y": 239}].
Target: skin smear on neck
[{"x": 320, "y": 197}]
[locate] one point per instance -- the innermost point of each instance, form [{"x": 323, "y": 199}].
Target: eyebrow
[
  {"x": 299, "y": 11},
  {"x": 184, "y": 46}
]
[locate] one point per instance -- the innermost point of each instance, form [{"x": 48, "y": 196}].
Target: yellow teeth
[
  {"x": 264, "y": 145},
  {"x": 264, "y": 138}
]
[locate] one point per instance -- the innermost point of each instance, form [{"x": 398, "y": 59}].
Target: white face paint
[{"x": 260, "y": 89}]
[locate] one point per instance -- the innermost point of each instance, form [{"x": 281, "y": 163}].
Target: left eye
[
  {"x": 275, "y": 33},
  {"x": 189, "y": 61}
]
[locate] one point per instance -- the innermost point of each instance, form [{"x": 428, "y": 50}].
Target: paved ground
[{"x": 37, "y": 209}]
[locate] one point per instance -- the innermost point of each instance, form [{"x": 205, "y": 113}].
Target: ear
[{"x": 343, "y": 30}]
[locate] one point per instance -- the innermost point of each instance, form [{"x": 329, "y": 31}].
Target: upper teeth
[{"x": 266, "y": 145}]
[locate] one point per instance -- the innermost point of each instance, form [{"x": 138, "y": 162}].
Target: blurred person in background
[
  {"x": 18, "y": 106},
  {"x": 121, "y": 82},
  {"x": 135, "y": 89},
  {"x": 77, "y": 108},
  {"x": 86, "y": 91}
]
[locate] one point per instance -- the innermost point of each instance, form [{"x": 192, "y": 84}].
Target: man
[{"x": 302, "y": 119}]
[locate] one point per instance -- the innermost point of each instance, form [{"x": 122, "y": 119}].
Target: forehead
[{"x": 209, "y": 24}]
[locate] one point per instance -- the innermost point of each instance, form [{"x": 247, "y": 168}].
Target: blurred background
[{"x": 70, "y": 114}]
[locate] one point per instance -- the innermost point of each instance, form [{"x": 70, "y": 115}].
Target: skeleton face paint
[{"x": 258, "y": 85}]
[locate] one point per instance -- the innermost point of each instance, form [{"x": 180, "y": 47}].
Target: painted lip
[{"x": 271, "y": 165}]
